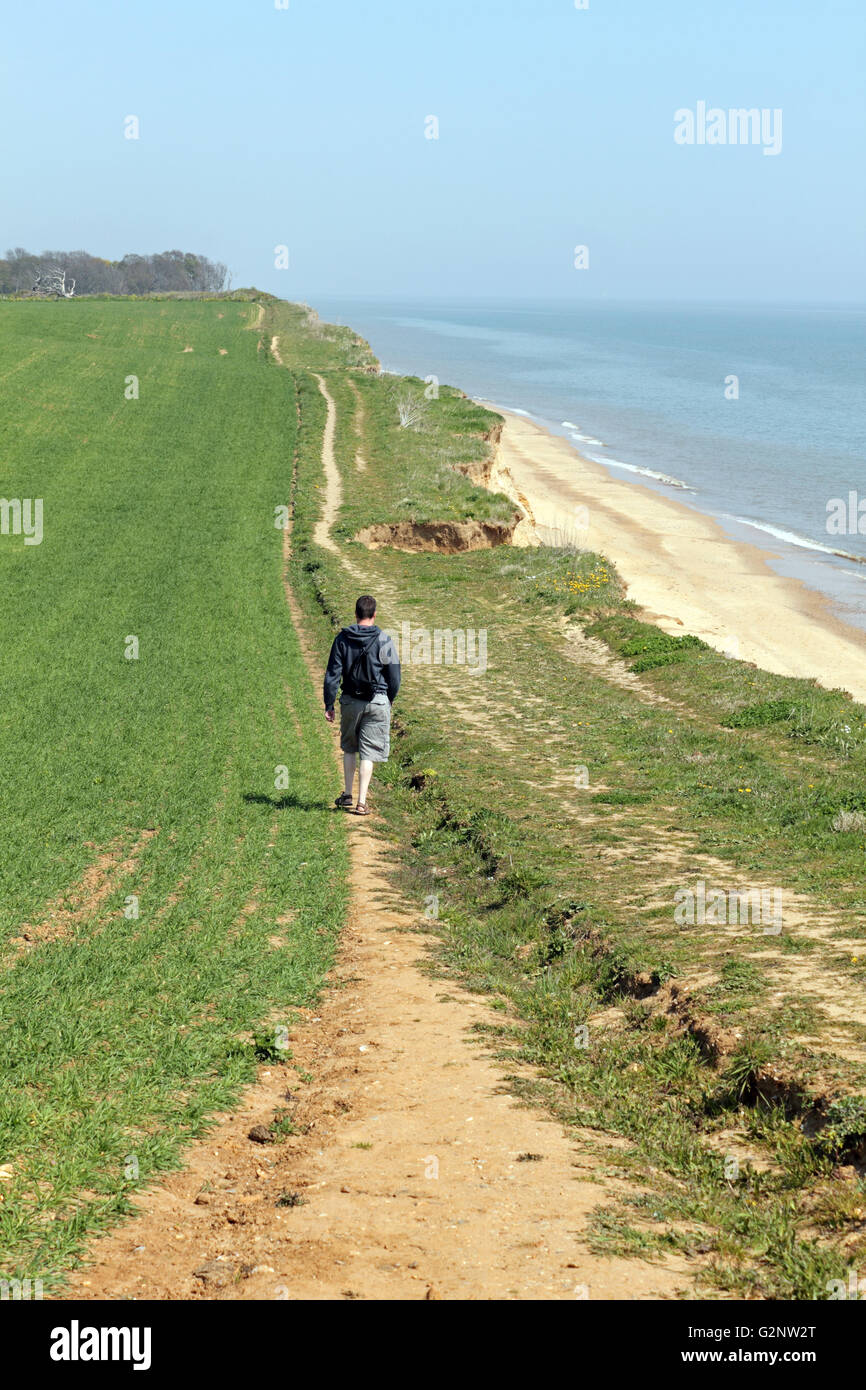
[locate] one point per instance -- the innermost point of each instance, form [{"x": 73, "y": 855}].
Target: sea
[{"x": 755, "y": 415}]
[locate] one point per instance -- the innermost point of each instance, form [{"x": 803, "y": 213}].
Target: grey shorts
[{"x": 365, "y": 729}]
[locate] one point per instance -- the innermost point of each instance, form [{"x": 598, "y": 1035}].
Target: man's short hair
[{"x": 365, "y": 607}]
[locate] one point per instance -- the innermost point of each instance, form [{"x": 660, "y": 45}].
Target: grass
[
  {"x": 121, "y": 1036},
  {"x": 556, "y": 895}
]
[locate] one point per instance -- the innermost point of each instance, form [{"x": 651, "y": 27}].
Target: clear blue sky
[{"x": 305, "y": 127}]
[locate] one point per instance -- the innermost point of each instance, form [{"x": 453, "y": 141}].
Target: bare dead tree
[{"x": 52, "y": 281}]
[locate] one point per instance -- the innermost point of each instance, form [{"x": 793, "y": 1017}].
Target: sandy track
[
  {"x": 333, "y": 496},
  {"x": 419, "y": 1176},
  {"x": 436, "y": 1203}
]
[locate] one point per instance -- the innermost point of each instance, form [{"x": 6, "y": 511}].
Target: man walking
[{"x": 364, "y": 659}]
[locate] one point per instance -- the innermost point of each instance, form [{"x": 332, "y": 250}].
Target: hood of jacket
[{"x": 361, "y": 636}]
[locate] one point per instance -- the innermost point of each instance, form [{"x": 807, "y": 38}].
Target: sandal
[
  {"x": 362, "y": 809},
  {"x": 344, "y": 801}
]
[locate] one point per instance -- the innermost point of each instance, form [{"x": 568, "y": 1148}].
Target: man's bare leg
[
  {"x": 349, "y": 772},
  {"x": 364, "y": 776}
]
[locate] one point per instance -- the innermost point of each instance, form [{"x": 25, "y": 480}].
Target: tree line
[{"x": 54, "y": 272}]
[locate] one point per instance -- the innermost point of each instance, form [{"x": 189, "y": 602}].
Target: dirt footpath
[{"x": 413, "y": 1179}]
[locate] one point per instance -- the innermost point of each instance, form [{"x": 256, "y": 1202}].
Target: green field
[{"x": 118, "y": 1036}]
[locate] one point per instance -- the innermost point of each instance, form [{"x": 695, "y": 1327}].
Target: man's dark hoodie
[{"x": 347, "y": 647}]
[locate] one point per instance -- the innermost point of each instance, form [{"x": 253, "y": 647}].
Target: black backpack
[{"x": 363, "y": 675}]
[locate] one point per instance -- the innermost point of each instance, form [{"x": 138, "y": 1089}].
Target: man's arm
[
  {"x": 390, "y": 668},
  {"x": 333, "y": 675}
]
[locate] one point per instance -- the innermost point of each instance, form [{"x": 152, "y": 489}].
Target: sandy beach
[{"x": 679, "y": 565}]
